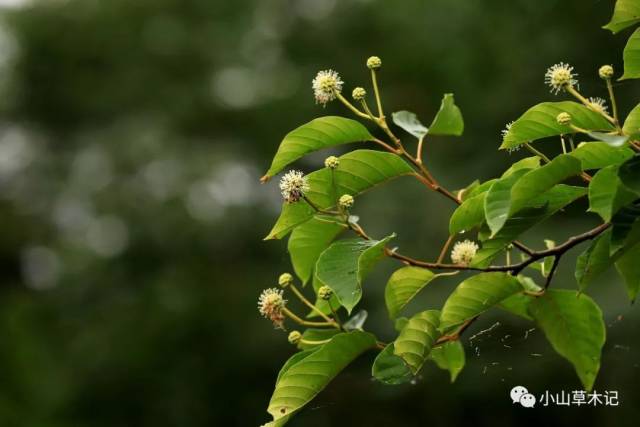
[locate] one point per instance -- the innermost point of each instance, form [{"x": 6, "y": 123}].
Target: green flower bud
[
  {"x": 359, "y": 93},
  {"x": 332, "y": 162},
  {"x": 294, "y": 337},
  {"x": 325, "y": 293},
  {"x": 606, "y": 72},
  {"x": 374, "y": 63},
  {"x": 285, "y": 280},
  {"x": 564, "y": 119},
  {"x": 346, "y": 201}
]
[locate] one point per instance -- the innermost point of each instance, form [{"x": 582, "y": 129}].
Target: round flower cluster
[
  {"x": 599, "y": 105},
  {"x": 374, "y": 62},
  {"x": 332, "y": 162},
  {"x": 463, "y": 252},
  {"x": 325, "y": 293},
  {"x": 326, "y": 86},
  {"x": 285, "y": 279},
  {"x": 358, "y": 94},
  {"x": 271, "y": 305},
  {"x": 560, "y": 77},
  {"x": 293, "y": 186},
  {"x": 295, "y": 337},
  {"x": 605, "y": 72},
  {"x": 564, "y": 119},
  {"x": 346, "y": 201}
]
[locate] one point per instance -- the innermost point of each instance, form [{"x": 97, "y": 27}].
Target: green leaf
[
  {"x": 517, "y": 304},
  {"x": 574, "y": 326},
  {"x": 389, "y": 368},
  {"x": 344, "y": 264},
  {"x": 404, "y": 284},
  {"x": 497, "y": 202},
  {"x": 303, "y": 380},
  {"x": 607, "y": 194},
  {"x": 538, "y": 181},
  {"x": 594, "y": 261},
  {"x": 468, "y": 215},
  {"x": 629, "y": 173},
  {"x": 482, "y": 188},
  {"x": 358, "y": 171},
  {"x": 629, "y": 268},
  {"x": 631, "y": 56},
  {"x": 316, "y": 335},
  {"x": 476, "y": 295},
  {"x": 526, "y": 163},
  {"x": 308, "y": 241},
  {"x": 463, "y": 194},
  {"x": 622, "y": 224},
  {"x": 540, "y": 122},
  {"x": 631, "y": 125},
  {"x": 417, "y": 338},
  {"x": 410, "y": 123},
  {"x": 320, "y": 133},
  {"x": 448, "y": 120},
  {"x": 625, "y": 14},
  {"x": 449, "y": 356},
  {"x": 400, "y": 323},
  {"x": 537, "y": 211},
  {"x": 597, "y": 155},
  {"x": 612, "y": 139}
]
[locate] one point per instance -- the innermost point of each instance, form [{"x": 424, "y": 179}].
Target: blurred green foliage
[{"x": 132, "y": 137}]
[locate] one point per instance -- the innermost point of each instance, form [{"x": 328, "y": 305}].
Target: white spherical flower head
[
  {"x": 599, "y": 105},
  {"x": 326, "y": 86},
  {"x": 463, "y": 252},
  {"x": 293, "y": 186},
  {"x": 271, "y": 304},
  {"x": 560, "y": 76},
  {"x": 331, "y": 162}
]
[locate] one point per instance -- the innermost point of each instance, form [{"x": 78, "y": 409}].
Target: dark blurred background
[{"x": 132, "y": 137}]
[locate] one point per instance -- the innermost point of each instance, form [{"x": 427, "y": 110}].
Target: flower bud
[
  {"x": 606, "y": 72},
  {"x": 374, "y": 63},
  {"x": 325, "y": 293},
  {"x": 564, "y": 119},
  {"x": 358, "y": 93},
  {"x": 346, "y": 201},
  {"x": 285, "y": 279},
  {"x": 332, "y": 162},
  {"x": 294, "y": 337}
]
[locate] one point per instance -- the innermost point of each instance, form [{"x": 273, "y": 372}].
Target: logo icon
[{"x": 522, "y": 396}]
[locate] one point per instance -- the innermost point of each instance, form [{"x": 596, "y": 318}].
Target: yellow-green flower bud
[
  {"x": 374, "y": 62},
  {"x": 294, "y": 337},
  {"x": 359, "y": 93},
  {"x": 346, "y": 201},
  {"x": 325, "y": 293},
  {"x": 331, "y": 162},
  {"x": 285, "y": 280},
  {"x": 606, "y": 72},
  {"x": 564, "y": 119}
]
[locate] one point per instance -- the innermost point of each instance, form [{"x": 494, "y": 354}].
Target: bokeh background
[{"x": 132, "y": 137}]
